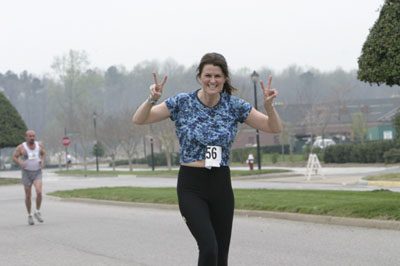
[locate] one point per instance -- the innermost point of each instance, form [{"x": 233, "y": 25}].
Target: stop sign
[{"x": 66, "y": 141}]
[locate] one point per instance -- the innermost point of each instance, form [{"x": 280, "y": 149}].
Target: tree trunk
[
  {"x": 84, "y": 161},
  {"x": 130, "y": 162},
  {"x": 168, "y": 155},
  {"x": 113, "y": 161}
]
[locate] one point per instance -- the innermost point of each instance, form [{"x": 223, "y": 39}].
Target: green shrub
[
  {"x": 274, "y": 157},
  {"x": 369, "y": 152},
  {"x": 275, "y": 148},
  {"x": 392, "y": 156},
  {"x": 159, "y": 160},
  {"x": 240, "y": 155}
]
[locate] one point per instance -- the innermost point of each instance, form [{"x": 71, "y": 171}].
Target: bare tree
[
  {"x": 284, "y": 137},
  {"x": 85, "y": 127},
  {"x": 165, "y": 132},
  {"x": 340, "y": 96},
  {"x": 108, "y": 134},
  {"x": 129, "y": 135}
]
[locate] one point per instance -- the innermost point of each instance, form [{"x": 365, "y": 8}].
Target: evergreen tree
[
  {"x": 100, "y": 150},
  {"x": 396, "y": 124},
  {"x": 13, "y": 128},
  {"x": 380, "y": 58}
]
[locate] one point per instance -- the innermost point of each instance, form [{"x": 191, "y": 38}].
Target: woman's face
[{"x": 212, "y": 79}]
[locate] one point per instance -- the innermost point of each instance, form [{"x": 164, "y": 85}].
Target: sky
[{"x": 250, "y": 33}]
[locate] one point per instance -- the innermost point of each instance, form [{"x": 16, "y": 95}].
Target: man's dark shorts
[{"x": 28, "y": 177}]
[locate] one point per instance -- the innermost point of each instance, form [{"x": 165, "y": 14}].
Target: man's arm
[
  {"x": 42, "y": 155},
  {"x": 17, "y": 154}
]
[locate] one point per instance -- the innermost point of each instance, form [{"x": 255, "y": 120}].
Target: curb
[
  {"x": 321, "y": 219},
  {"x": 267, "y": 176},
  {"x": 384, "y": 183}
]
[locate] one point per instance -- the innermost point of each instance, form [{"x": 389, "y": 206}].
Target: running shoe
[
  {"x": 30, "y": 220},
  {"x": 38, "y": 217}
]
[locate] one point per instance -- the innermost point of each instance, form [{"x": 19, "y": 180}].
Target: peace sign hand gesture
[
  {"x": 156, "y": 89},
  {"x": 269, "y": 94}
]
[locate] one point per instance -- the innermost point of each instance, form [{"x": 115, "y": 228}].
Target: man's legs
[
  {"x": 38, "y": 187},
  {"x": 28, "y": 203},
  {"x": 28, "y": 196}
]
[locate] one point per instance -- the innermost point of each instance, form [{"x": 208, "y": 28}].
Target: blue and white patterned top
[{"x": 198, "y": 126}]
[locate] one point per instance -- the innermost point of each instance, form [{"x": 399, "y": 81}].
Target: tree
[
  {"x": 165, "y": 132},
  {"x": 25, "y": 92},
  {"x": 358, "y": 128},
  {"x": 108, "y": 134},
  {"x": 70, "y": 94},
  {"x": 100, "y": 149},
  {"x": 74, "y": 98},
  {"x": 380, "y": 57},
  {"x": 284, "y": 138},
  {"x": 129, "y": 135},
  {"x": 396, "y": 124},
  {"x": 13, "y": 128}
]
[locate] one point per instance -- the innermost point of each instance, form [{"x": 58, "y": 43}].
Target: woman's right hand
[{"x": 156, "y": 89}]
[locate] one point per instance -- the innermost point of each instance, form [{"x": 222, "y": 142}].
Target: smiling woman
[{"x": 206, "y": 122}]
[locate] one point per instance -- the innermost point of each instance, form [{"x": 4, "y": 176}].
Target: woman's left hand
[{"x": 269, "y": 94}]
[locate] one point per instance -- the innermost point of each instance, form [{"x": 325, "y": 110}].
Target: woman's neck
[{"x": 209, "y": 100}]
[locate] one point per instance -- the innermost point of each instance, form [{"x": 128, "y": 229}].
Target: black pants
[{"x": 206, "y": 203}]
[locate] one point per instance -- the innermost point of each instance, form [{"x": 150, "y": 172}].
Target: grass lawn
[
  {"x": 384, "y": 177},
  {"x": 10, "y": 181},
  {"x": 380, "y": 204},
  {"x": 163, "y": 172}
]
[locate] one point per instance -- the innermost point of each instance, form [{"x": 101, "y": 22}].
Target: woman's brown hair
[{"x": 216, "y": 59}]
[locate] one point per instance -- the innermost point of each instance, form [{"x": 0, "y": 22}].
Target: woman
[{"x": 206, "y": 125}]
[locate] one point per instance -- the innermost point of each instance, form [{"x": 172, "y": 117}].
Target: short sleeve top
[{"x": 198, "y": 126}]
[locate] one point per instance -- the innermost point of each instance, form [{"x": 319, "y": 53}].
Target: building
[{"x": 328, "y": 119}]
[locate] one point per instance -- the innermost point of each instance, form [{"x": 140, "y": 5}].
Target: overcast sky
[{"x": 249, "y": 33}]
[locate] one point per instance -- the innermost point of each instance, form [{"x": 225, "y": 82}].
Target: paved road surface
[{"x": 93, "y": 234}]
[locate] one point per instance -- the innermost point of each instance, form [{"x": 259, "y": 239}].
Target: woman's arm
[
  {"x": 148, "y": 113},
  {"x": 271, "y": 122}
]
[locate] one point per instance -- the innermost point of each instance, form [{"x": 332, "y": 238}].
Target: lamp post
[
  {"x": 96, "y": 145},
  {"x": 254, "y": 78},
  {"x": 152, "y": 153}
]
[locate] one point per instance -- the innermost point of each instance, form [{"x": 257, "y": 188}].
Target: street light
[
  {"x": 254, "y": 78},
  {"x": 96, "y": 145}
]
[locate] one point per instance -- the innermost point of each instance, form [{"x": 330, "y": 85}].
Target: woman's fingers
[
  {"x": 164, "y": 80},
  {"x": 269, "y": 83},
  {"x": 155, "y": 78},
  {"x": 262, "y": 85},
  {"x": 158, "y": 87}
]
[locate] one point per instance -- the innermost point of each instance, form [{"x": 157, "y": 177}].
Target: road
[{"x": 77, "y": 233}]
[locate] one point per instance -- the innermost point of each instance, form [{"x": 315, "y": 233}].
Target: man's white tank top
[{"x": 32, "y": 159}]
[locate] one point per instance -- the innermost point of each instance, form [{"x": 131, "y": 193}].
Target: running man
[{"x": 33, "y": 157}]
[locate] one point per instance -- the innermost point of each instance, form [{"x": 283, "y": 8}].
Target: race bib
[
  {"x": 213, "y": 156},
  {"x": 32, "y": 155}
]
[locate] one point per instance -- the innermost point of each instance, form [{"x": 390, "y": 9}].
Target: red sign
[{"x": 66, "y": 141}]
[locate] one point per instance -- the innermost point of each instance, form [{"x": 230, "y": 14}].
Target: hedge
[
  {"x": 159, "y": 160},
  {"x": 369, "y": 152}
]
